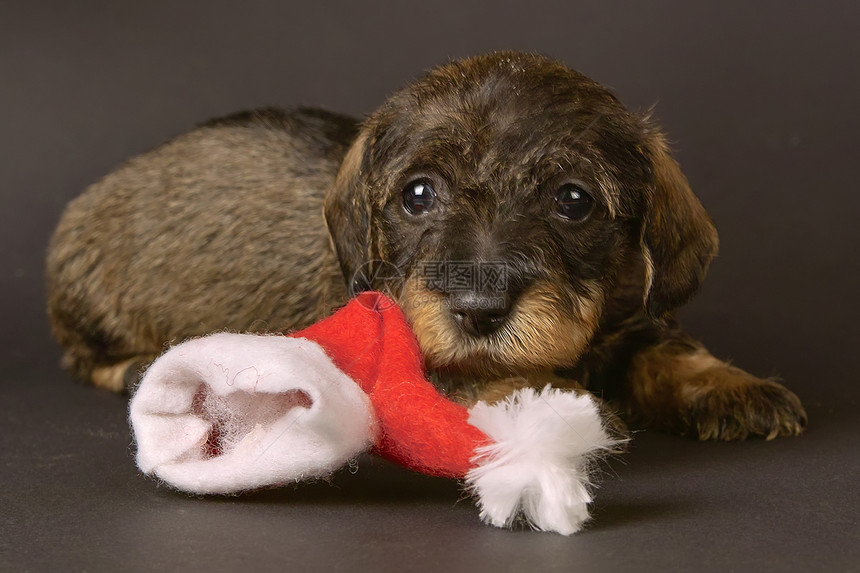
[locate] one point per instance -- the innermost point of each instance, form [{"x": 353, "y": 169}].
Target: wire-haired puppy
[{"x": 531, "y": 227}]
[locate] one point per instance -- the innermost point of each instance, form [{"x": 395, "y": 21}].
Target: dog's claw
[{"x": 756, "y": 408}]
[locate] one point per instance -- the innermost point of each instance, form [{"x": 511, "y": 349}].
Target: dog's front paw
[{"x": 729, "y": 404}]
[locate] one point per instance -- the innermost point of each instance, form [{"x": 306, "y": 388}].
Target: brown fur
[
  {"x": 680, "y": 387},
  {"x": 541, "y": 334},
  {"x": 218, "y": 229},
  {"x": 266, "y": 220}
]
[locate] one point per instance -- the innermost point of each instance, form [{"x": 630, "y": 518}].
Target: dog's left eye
[
  {"x": 573, "y": 202},
  {"x": 418, "y": 197}
]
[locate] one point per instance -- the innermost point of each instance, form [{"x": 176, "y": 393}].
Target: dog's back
[{"x": 220, "y": 228}]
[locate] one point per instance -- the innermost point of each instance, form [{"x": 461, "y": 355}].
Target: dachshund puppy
[{"x": 532, "y": 229}]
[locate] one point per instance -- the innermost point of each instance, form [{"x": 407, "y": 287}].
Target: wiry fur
[
  {"x": 218, "y": 229},
  {"x": 266, "y": 220},
  {"x": 548, "y": 328}
]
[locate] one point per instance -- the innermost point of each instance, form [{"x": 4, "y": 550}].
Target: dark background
[{"x": 760, "y": 100}]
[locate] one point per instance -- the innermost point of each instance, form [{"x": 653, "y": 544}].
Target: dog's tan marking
[
  {"x": 680, "y": 386},
  {"x": 541, "y": 332},
  {"x": 113, "y": 377}
]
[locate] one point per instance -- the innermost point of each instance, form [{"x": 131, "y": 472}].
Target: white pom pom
[{"x": 538, "y": 461}]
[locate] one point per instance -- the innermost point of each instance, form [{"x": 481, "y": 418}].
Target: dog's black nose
[{"x": 479, "y": 314}]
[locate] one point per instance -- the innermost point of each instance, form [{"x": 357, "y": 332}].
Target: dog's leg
[
  {"x": 121, "y": 376},
  {"x": 676, "y": 384},
  {"x": 499, "y": 389}
]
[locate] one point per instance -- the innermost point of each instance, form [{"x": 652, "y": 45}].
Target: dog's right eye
[
  {"x": 418, "y": 197},
  {"x": 573, "y": 202}
]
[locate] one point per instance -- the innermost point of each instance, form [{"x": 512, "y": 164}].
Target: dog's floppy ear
[
  {"x": 348, "y": 215},
  {"x": 678, "y": 239}
]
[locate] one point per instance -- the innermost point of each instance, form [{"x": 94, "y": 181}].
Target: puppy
[{"x": 532, "y": 229}]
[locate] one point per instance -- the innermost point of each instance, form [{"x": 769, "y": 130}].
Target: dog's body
[
  {"x": 221, "y": 228},
  {"x": 266, "y": 221}
]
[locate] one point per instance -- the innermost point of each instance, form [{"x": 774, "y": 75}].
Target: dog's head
[{"x": 510, "y": 193}]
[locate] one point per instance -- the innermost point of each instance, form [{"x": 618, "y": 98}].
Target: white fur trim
[
  {"x": 538, "y": 461},
  {"x": 285, "y": 411}
]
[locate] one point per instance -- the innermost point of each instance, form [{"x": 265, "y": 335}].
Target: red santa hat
[{"x": 232, "y": 412}]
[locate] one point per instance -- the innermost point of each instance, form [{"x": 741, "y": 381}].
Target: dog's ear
[
  {"x": 348, "y": 215},
  {"x": 678, "y": 239}
]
